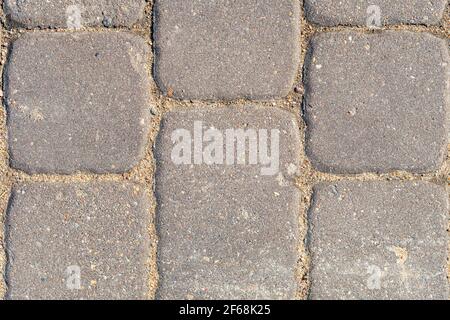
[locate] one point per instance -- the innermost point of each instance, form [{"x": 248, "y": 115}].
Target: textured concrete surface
[
  {"x": 101, "y": 228},
  {"x": 227, "y": 231},
  {"x": 80, "y": 104},
  {"x": 376, "y": 102},
  {"x": 379, "y": 240},
  {"x": 235, "y": 230},
  {"x": 63, "y": 13},
  {"x": 226, "y": 49},
  {"x": 356, "y": 12}
]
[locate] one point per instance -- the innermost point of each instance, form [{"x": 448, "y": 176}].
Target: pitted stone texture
[
  {"x": 379, "y": 240},
  {"x": 65, "y": 13},
  {"x": 376, "y": 102},
  {"x": 99, "y": 227},
  {"x": 357, "y": 12},
  {"x": 77, "y": 102},
  {"x": 227, "y": 231},
  {"x": 226, "y": 49}
]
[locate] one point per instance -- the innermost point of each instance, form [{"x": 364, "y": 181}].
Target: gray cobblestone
[
  {"x": 357, "y": 12},
  {"x": 95, "y": 232},
  {"x": 235, "y": 229},
  {"x": 80, "y": 104},
  {"x": 226, "y": 49},
  {"x": 93, "y": 121},
  {"x": 376, "y": 102},
  {"x": 379, "y": 240},
  {"x": 74, "y": 14}
]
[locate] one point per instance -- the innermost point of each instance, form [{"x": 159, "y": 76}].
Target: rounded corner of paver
[
  {"x": 22, "y": 165},
  {"x": 319, "y": 163},
  {"x": 318, "y": 20}
]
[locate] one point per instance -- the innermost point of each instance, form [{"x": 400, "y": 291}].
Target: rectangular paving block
[
  {"x": 77, "y": 102},
  {"x": 376, "y": 102},
  {"x": 227, "y": 227},
  {"x": 379, "y": 240},
  {"x": 226, "y": 49},
  {"x": 78, "y": 241},
  {"x": 74, "y": 14},
  {"x": 374, "y": 12}
]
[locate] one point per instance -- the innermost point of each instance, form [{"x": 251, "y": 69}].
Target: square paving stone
[
  {"x": 362, "y": 12},
  {"x": 74, "y": 14},
  {"x": 376, "y": 102},
  {"x": 78, "y": 241},
  {"x": 226, "y": 49},
  {"x": 77, "y": 102},
  {"x": 227, "y": 231},
  {"x": 379, "y": 240}
]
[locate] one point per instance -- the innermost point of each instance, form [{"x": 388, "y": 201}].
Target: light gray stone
[
  {"x": 379, "y": 240},
  {"x": 226, "y": 49},
  {"x": 376, "y": 102},
  {"x": 227, "y": 231},
  {"x": 77, "y": 102},
  {"x": 97, "y": 230},
  {"x": 357, "y": 12},
  {"x": 72, "y": 14}
]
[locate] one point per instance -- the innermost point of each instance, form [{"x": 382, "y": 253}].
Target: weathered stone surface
[
  {"x": 226, "y": 49},
  {"x": 77, "y": 102},
  {"x": 379, "y": 240},
  {"x": 357, "y": 12},
  {"x": 72, "y": 14},
  {"x": 98, "y": 230},
  {"x": 376, "y": 102},
  {"x": 227, "y": 231}
]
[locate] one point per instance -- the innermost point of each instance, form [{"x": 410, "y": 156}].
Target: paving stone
[
  {"x": 74, "y": 14},
  {"x": 376, "y": 102},
  {"x": 226, "y": 49},
  {"x": 227, "y": 231},
  {"x": 379, "y": 240},
  {"x": 77, "y": 102},
  {"x": 97, "y": 231},
  {"x": 357, "y": 12}
]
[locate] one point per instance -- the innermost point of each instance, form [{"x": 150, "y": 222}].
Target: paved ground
[
  {"x": 183, "y": 149},
  {"x": 57, "y": 231}
]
